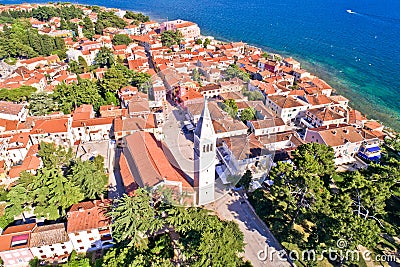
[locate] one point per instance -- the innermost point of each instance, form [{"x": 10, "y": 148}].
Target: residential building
[
  {"x": 344, "y": 139},
  {"x": 56, "y": 131},
  {"x": 317, "y": 117},
  {"x": 14, "y": 245},
  {"x": 267, "y": 126},
  {"x": 287, "y": 107},
  {"x": 88, "y": 227},
  {"x": 13, "y": 112},
  {"x": 50, "y": 243},
  {"x": 188, "y": 29}
]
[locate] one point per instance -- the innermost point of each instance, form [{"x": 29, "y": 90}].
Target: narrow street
[
  {"x": 257, "y": 236},
  {"x": 115, "y": 185}
]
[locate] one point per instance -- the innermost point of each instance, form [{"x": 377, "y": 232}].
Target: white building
[
  {"x": 88, "y": 227},
  {"x": 344, "y": 139},
  {"x": 94, "y": 129},
  {"x": 287, "y": 107},
  {"x": 56, "y": 131},
  {"x": 267, "y": 126},
  {"x": 13, "y": 112},
  {"x": 50, "y": 243}
]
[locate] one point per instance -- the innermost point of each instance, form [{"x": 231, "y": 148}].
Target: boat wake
[{"x": 395, "y": 21}]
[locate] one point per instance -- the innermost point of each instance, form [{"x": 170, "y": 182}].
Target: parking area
[{"x": 88, "y": 150}]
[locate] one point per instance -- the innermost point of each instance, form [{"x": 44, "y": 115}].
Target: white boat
[{"x": 350, "y": 11}]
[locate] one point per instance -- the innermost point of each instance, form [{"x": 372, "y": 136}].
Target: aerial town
[{"x": 147, "y": 106}]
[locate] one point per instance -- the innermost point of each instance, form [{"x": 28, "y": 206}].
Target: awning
[
  {"x": 373, "y": 149},
  {"x": 375, "y": 158},
  {"x": 20, "y": 238}
]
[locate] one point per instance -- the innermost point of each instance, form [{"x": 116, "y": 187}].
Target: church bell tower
[{"x": 204, "y": 158}]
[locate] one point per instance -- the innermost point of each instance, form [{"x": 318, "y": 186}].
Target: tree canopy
[
  {"x": 169, "y": 38},
  {"x": 20, "y": 94},
  {"x": 248, "y": 114},
  {"x": 139, "y": 226},
  {"x": 230, "y": 106},
  {"x": 233, "y": 71},
  {"x": 105, "y": 57},
  {"x": 60, "y": 183},
  {"x": 121, "y": 39},
  {"x": 108, "y": 19},
  {"x": 21, "y": 40},
  {"x": 136, "y": 17},
  {"x": 72, "y": 96},
  {"x": 312, "y": 206}
]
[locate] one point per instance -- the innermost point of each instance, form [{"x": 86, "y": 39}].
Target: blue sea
[{"x": 358, "y": 53}]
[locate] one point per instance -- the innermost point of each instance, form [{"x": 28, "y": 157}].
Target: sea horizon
[{"x": 355, "y": 52}]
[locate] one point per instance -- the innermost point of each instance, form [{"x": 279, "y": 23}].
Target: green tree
[
  {"x": 253, "y": 95},
  {"x": 105, "y": 57},
  {"x": 201, "y": 233},
  {"x": 108, "y": 19},
  {"x": 141, "y": 80},
  {"x": 20, "y": 94},
  {"x": 245, "y": 180},
  {"x": 393, "y": 142},
  {"x": 82, "y": 62},
  {"x": 41, "y": 104},
  {"x": 248, "y": 114},
  {"x": 199, "y": 41},
  {"x": 233, "y": 71},
  {"x": 196, "y": 75},
  {"x": 99, "y": 27},
  {"x": 316, "y": 159},
  {"x": 115, "y": 78},
  {"x": 34, "y": 262},
  {"x": 72, "y": 96},
  {"x": 169, "y": 38},
  {"x": 230, "y": 106},
  {"x": 88, "y": 30},
  {"x": 206, "y": 42},
  {"x": 54, "y": 156},
  {"x": 90, "y": 178},
  {"x": 134, "y": 218},
  {"x": 76, "y": 260},
  {"x": 137, "y": 17},
  {"x": 121, "y": 39}
]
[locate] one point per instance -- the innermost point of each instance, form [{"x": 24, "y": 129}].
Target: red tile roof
[
  {"x": 88, "y": 215},
  {"x": 50, "y": 126}
]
